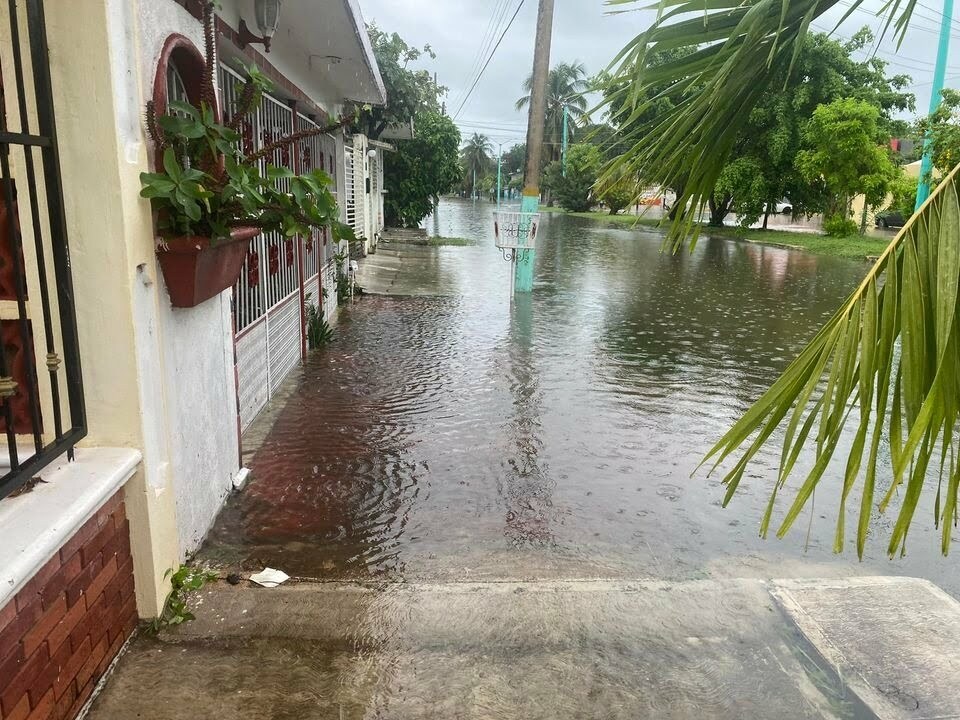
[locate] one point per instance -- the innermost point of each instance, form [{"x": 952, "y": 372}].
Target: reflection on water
[{"x": 556, "y": 436}]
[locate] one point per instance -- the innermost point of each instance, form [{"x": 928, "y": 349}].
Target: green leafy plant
[
  {"x": 618, "y": 193},
  {"x": 319, "y": 332},
  {"x": 183, "y": 582},
  {"x": 342, "y": 265},
  {"x": 839, "y": 226},
  {"x": 845, "y": 157},
  {"x": 207, "y": 185},
  {"x": 575, "y": 190}
]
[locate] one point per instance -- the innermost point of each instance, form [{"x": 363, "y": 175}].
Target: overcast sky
[{"x": 585, "y": 31}]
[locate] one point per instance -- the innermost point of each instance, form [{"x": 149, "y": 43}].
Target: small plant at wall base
[
  {"x": 209, "y": 193},
  {"x": 342, "y": 264},
  {"x": 319, "y": 332},
  {"x": 183, "y": 582}
]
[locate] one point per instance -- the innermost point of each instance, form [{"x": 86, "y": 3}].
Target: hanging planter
[
  {"x": 195, "y": 269},
  {"x": 209, "y": 193}
]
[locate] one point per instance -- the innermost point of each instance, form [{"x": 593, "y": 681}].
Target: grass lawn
[
  {"x": 854, "y": 246},
  {"x": 449, "y": 241}
]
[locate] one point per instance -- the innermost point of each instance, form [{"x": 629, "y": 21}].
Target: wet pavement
[
  {"x": 462, "y": 437},
  {"x": 550, "y": 650},
  {"x": 493, "y": 511}
]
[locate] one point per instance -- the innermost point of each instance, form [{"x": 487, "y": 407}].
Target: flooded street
[
  {"x": 489, "y": 512},
  {"x": 460, "y": 437}
]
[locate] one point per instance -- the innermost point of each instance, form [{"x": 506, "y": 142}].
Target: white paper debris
[
  {"x": 270, "y": 578},
  {"x": 240, "y": 479}
]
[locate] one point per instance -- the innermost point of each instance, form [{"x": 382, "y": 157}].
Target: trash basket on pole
[{"x": 515, "y": 234}]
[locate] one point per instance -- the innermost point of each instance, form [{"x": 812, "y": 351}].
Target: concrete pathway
[
  {"x": 874, "y": 647},
  {"x": 403, "y": 269}
]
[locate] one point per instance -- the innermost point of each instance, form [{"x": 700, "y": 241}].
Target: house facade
[{"x": 123, "y": 414}]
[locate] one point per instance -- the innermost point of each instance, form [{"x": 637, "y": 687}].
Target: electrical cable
[{"x": 489, "y": 59}]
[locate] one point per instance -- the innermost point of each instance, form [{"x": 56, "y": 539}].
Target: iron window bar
[{"x": 46, "y": 210}]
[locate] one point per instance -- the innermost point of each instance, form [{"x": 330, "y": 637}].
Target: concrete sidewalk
[
  {"x": 873, "y": 647},
  {"x": 405, "y": 270}
]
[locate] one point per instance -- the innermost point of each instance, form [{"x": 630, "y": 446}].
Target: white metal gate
[
  {"x": 267, "y": 296},
  {"x": 350, "y": 192}
]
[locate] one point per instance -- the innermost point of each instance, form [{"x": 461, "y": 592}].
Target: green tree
[
  {"x": 762, "y": 167},
  {"x": 409, "y": 92},
  {"x": 566, "y": 87},
  {"x": 944, "y": 128},
  {"x": 844, "y": 155},
  {"x": 574, "y": 191},
  {"x": 606, "y": 138},
  {"x": 630, "y": 112},
  {"x": 421, "y": 170},
  {"x": 476, "y": 157},
  {"x": 514, "y": 159},
  {"x": 904, "y": 194},
  {"x": 890, "y": 355},
  {"x": 618, "y": 192}
]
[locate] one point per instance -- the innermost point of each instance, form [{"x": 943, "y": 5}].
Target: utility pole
[
  {"x": 563, "y": 145},
  {"x": 923, "y": 188},
  {"x": 473, "y": 187},
  {"x": 530, "y": 203},
  {"x": 499, "y": 173}
]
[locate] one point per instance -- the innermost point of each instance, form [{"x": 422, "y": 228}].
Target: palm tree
[
  {"x": 476, "y": 157},
  {"x": 566, "y": 86},
  {"x": 888, "y": 362}
]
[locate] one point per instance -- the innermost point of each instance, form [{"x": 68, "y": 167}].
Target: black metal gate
[{"x": 41, "y": 388}]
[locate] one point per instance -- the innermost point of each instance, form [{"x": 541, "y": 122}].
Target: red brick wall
[{"x": 60, "y": 632}]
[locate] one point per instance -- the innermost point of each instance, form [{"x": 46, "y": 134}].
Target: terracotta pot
[{"x": 196, "y": 270}]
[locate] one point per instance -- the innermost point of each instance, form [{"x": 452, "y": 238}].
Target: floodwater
[{"x": 468, "y": 437}]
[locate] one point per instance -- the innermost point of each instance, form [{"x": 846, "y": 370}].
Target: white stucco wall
[
  {"x": 198, "y": 378},
  {"x": 198, "y": 370},
  {"x": 329, "y": 279}
]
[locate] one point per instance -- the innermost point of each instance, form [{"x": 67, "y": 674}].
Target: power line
[
  {"x": 930, "y": 82},
  {"x": 936, "y": 12},
  {"x": 913, "y": 25},
  {"x": 493, "y": 25},
  {"x": 888, "y": 57},
  {"x": 504, "y": 124},
  {"x": 487, "y": 64}
]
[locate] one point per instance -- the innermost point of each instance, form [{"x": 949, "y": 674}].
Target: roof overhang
[
  {"x": 334, "y": 37},
  {"x": 321, "y": 47}
]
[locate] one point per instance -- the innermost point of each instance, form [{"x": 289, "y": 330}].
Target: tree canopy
[
  {"x": 566, "y": 86},
  {"x": 763, "y": 165},
  {"x": 574, "y": 191},
  {"x": 476, "y": 156},
  {"x": 409, "y": 92},
  {"x": 845, "y": 157},
  {"x": 944, "y": 128},
  {"x": 421, "y": 170}
]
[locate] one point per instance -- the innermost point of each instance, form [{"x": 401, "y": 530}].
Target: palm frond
[
  {"x": 738, "y": 46},
  {"x": 891, "y": 353}
]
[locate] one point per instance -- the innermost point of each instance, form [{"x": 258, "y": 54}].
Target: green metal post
[
  {"x": 499, "y": 173},
  {"x": 923, "y": 188},
  {"x": 563, "y": 146}
]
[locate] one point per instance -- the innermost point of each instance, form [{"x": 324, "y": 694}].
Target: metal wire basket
[{"x": 515, "y": 230}]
